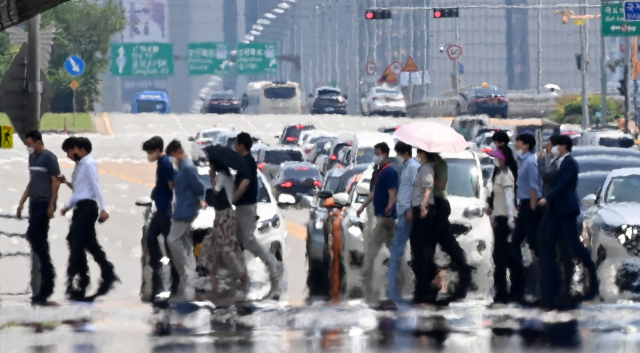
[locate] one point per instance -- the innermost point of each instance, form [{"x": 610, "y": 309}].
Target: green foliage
[
  {"x": 83, "y": 28},
  {"x": 569, "y": 108},
  {"x": 53, "y": 121}
]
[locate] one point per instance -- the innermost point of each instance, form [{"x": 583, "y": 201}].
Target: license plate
[
  {"x": 329, "y": 109},
  {"x": 390, "y": 100},
  {"x": 493, "y": 101}
]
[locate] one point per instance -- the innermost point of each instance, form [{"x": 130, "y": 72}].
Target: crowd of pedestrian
[{"x": 533, "y": 201}]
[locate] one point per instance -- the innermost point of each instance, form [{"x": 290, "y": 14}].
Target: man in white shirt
[
  {"x": 403, "y": 226},
  {"x": 86, "y": 201}
]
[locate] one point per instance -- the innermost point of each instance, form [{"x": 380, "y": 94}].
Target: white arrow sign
[{"x": 74, "y": 66}]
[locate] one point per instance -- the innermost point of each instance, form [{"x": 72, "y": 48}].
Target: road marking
[
  {"x": 297, "y": 230},
  {"x": 107, "y": 124}
]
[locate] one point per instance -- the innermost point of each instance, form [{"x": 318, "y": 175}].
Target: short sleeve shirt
[
  {"x": 424, "y": 181},
  {"x": 42, "y": 167},
  {"x": 163, "y": 195},
  {"x": 387, "y": 179},
  {"x": 503, "y": 180},
  {"x": 250, "y": 195},
  {"x": 441, "y": 173}
]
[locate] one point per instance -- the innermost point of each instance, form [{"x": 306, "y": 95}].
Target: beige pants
[{"x": 381, "y": 234}]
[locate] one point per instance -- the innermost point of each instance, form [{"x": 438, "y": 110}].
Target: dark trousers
[
  {"x": 501, "y": 232},
  {"x": 82, "y": 237},
  {"x": 37, "y": 235},
  {"x": 562, "y": 230},
  {"x": 526, "y": 229},
  {"x": 421, "y": 240},
  {"x": 566, "y": 258},
  {"x": 160, "y": 224}
]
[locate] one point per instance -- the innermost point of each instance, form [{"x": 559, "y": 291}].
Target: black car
[
  {"x": 224, "y": 102},
  {"x": 488, "y": 100},
  {"x": 270, "y": 159},
  {"x": 291, "y": 133},
  {"x": 336, "y": 153},
  {"x": 296, "y": 179},
  {"x": 329, "y": 101},
  {"x": 388, "y": 129}
]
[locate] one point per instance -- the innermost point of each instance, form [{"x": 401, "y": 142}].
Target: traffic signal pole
[
  {"x": 584, "y": 41},
  {"x": 604, "y": 109},
  {"x": 456, "y": 70},
  {"x": 34, "y": 87},
  {"x": 627, "y": 63}
]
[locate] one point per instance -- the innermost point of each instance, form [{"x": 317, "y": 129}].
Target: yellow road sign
[
  {"x": 74, "y": 85},
  {"x": 7, "y": 136},
  {"x": 580, "y": 22}
]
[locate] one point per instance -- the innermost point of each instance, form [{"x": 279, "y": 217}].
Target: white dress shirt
[
  {"x": 86, "y": 183},
  {"x": 407, "y": 179},
  {"x": 561, "y": 159}
]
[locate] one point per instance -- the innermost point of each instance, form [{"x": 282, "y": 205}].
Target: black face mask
[{"x": 76, "y": 157}]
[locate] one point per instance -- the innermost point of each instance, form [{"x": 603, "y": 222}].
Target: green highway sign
[
  {"x": 613, "y": 23},
  {"x": 142, "y": 59},
  {"x": 208, "y": 58},
  {"x": 257, "y": 58}
]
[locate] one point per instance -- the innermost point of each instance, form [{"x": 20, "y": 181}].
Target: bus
[
  {"x": 265, "y": 97},
  {"x": 151, "y": 102}
]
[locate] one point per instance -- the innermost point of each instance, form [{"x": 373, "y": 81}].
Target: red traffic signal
[
  {"x": 445, "y": 12},
  {"x": 377, "y": 14}
]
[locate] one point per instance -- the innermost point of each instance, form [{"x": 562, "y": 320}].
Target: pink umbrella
[{"x": 431, "y": 137}]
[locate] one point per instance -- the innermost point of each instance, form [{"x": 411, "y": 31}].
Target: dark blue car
[
  {"x": 488, "y": 100},
  {"x": 151, "y": 102}
]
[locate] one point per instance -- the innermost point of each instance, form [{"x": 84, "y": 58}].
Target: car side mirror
[
  {"x": 310, "y": 95},
  {"x": 325, "y": 194},
  {"x": 191, "y": 139},
  {"x": 363, "y": 189},
  {"x": 144, "y": 202},
  {"x": 346, "y": 97},
  {"x": 589, "y": 200},
  {"x": 598, "y": 191}
]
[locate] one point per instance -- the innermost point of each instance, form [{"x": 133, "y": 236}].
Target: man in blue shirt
[
  {"x": 160, "y": 223},
  {"x": 528, "y": 193},
  {"x": 384, "y": 197},
  {"x": 189, "y": 199}
]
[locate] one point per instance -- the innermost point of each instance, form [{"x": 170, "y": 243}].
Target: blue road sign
[
  {"x": 74, "y": 65},
  {"x": 632, "y": 10}
]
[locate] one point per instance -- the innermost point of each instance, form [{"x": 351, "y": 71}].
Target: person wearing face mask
[
  {"x": 548, "y": 166},
  {"x": 403, "y": 227},
  {"x": 501, "y": 138},
  {"x": 384, "y": 197},
  {"x": 528, "y": 193},
  {"x": 88, "y": 205},
  {"x": 564, "y": 208},
  {"x": 502, "y": 218},
  {"x": 42, "y": 192},
  {"x": 160, "y": 223},
  {"x": 189, "y": 194}
]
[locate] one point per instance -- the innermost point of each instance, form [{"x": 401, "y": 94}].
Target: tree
[{"x": 83, "y": 28}]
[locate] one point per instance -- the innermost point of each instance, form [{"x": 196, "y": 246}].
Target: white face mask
[
  {"x": 496, "y": 162},
  {"x": 377, "y": 159},
  {"x": 518, "y": 153},
  {"x": 418, "y": 159},
  {"x": 30, "y": 150},
  {"x": 493, "y": 146},
  {"x": 173, "y": 160},
  {"x": 152, "y": 157},
  {"x": 554, "y": 151}
]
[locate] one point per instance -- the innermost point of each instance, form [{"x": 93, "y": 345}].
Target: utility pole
[
  {"x": 584, "y": 41},
  {"x": 604, "y": 109},
  {"x": 34, "y": 86},
  {"x": 627, "y": 72},
  {"x": 456, "y": 70}
]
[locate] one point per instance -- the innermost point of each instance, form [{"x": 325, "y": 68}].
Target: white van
[
  {"x": 362, "y": 150},
  {"x": 266, "y": 97}
]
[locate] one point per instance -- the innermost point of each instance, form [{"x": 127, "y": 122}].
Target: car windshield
[
  {"x": 387, "y": 91},
  {"x": 231, "y": 141},
  {"x": 347, "y": 177},
  {"x": 623, "y": 142},
  {"x": 281, "y": 156},
  {"x": 328, "y": 92},
  {"x": 365, "y": 155},
  {"x": 588, "y": 183},
  {"x": 210, "y": 134},
  {"x": 223, "y": 96},
  {"x": 488, "y": 92},
  {"x": 280, "y": 92},
  {"x": 463, "y": 177},
  {"x": 145, "y": 106},
  {"x": 332, "y": 183},
  {"x": 301, "y": 172},
  {"x": 292, "y": 133},
  {"x": 604, "y": 151},
  {"x": 318, "y": 139},
  {"x": 339, "y": 147},
  {"x": 606, "y": 164},
  {"x": 619, "y": 189}
]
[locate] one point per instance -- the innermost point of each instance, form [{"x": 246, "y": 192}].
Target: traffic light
[
  {"x": 445, "y": 12},
  {"x": 623, "y": 83},
  {"x": 377, "y": 14},
  {"x": 579, "y": 61}
]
